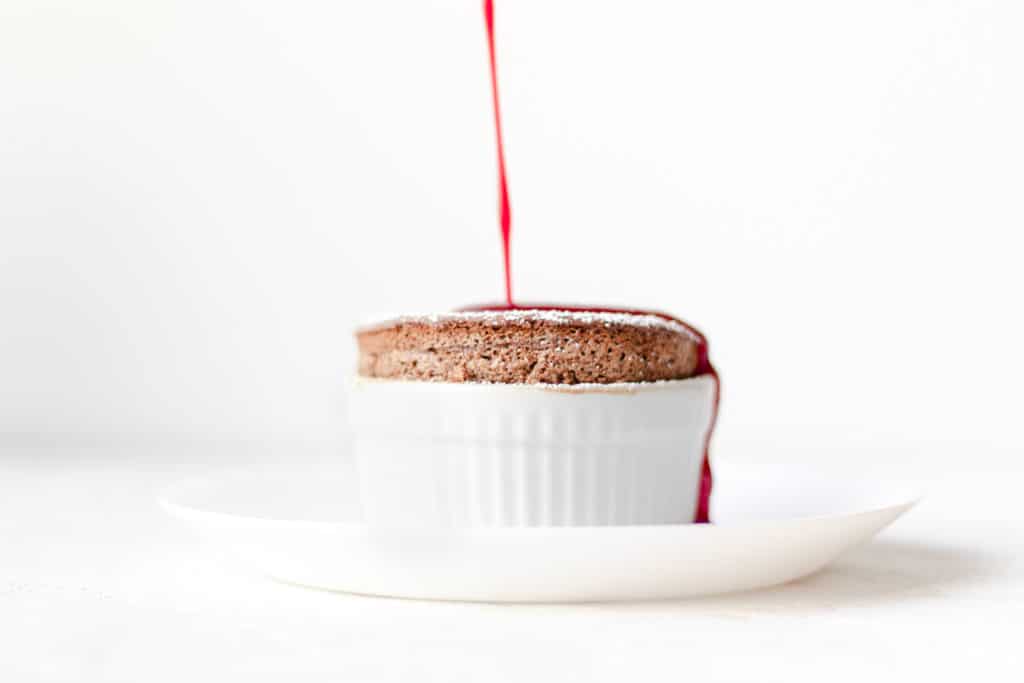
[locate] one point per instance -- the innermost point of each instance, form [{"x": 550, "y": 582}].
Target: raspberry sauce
[
  {"x": 504, "y": 208},
  {"x": 704, "y": 366}
]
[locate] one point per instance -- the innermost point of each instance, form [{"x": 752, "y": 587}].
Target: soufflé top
[{"x": 524, "y": 346}]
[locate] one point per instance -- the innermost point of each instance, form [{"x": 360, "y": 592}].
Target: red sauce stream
[
  {"x": 704, "y": 366},
  {"x": 504, "y": 208}
]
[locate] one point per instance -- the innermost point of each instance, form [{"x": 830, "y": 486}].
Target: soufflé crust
[{"x": 528, "y": 347}]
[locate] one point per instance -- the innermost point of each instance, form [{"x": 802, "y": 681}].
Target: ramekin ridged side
[{"x": 472, "y": 455}]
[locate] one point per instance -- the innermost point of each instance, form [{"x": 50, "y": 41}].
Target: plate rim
[{"x": 901, "y": 504}]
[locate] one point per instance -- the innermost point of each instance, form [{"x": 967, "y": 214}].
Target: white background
[{"x": 199, "y": 200}]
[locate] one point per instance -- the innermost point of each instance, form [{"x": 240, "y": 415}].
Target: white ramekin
[{"x": 441, "y": 454}]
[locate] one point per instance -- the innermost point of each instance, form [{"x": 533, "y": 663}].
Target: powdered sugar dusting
[
  {"x": 581, "y": 388},
  {"x": 499, "y": 318}
]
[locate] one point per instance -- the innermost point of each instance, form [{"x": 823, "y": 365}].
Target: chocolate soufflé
[{"x": 524, "y": 346}]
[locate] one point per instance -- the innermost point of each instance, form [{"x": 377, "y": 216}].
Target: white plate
[{"x": 773, "y": 524}]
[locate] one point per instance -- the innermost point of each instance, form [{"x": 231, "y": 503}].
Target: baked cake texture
[{"x": 528, "y": 347}]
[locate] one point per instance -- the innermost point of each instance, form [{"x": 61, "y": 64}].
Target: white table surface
[{"x": 97, "y": 584}]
